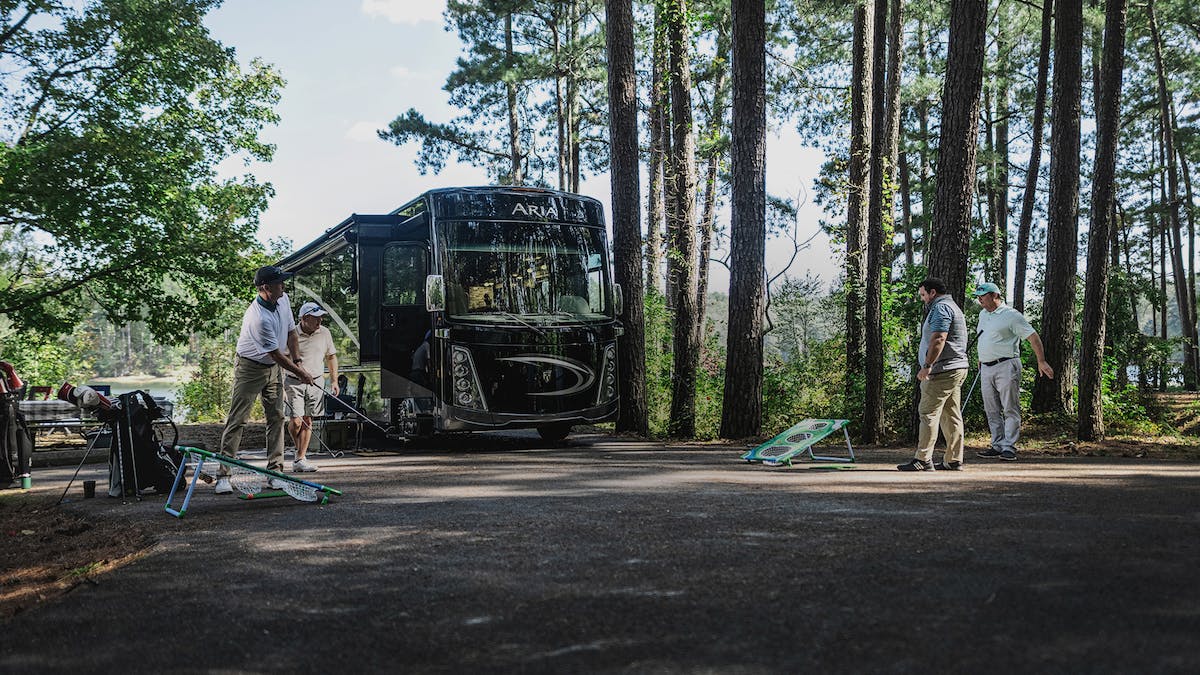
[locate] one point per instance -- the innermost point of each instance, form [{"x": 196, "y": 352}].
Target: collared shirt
[
  {"x": 265, "y": 329},
  {"x": 313, "y": 348},
  {"x": 1001, "y": 332},
  {"x": 944, "y": 317}
]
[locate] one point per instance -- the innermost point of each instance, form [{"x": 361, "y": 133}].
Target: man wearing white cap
[
  {"x": 1001, "y": 329},
  {"x": 315, "y": 351}
]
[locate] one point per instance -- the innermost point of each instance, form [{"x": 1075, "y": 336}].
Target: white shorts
[{"x": 305, "y": 400}]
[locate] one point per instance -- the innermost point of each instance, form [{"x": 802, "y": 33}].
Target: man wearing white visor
[{"x": 315, "y": 351}]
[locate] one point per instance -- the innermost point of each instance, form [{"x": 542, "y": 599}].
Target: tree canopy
[{"x": 115, "y": 115}]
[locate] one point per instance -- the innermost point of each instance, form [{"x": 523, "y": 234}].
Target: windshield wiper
[
  {"x": 591, "y": 328},
  {"x": 521, "y": 321}
]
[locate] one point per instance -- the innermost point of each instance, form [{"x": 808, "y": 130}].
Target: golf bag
[
  {"x": 137, "y": 459},
  {"x": 16, "y": 443}
]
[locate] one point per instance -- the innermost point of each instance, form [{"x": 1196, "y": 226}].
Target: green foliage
[
  {"x": 555, "y": 74},
  {"x": 804, "y": 373},
  {"x": 118, "y": 112},
  {"x": 1122, "y": 404},
  {"x": 658, "y": 362},
  {"x": 48, "y": 361},
  {"x": 710, "y": 383},
  {"x": 206, "y": 394}
]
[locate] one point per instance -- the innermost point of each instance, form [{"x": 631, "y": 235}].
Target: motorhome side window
[
  {"x": 329, "y": 282},
  {"x": 404, "y": 274},
  {"x": 501, "y": 271}
]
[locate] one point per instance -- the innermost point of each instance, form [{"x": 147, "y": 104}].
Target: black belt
[
  {"x": 992, "y": 363},
  {"x": 254, "y": 363}
]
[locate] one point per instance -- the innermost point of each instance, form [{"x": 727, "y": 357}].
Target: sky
[{"x": 352, "y": 66}]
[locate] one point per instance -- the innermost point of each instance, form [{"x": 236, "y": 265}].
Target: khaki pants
[
  {"x": 941, "y": 398},
  {"x": 251, "y": 380}
]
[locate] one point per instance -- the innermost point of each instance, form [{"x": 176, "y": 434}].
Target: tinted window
[{"x": 403, "y": 275}]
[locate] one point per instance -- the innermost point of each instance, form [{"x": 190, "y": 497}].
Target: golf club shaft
[{"x": 345, "y": 405}]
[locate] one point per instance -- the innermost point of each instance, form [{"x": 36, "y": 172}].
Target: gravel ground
[{"x": 499, "y": 554}]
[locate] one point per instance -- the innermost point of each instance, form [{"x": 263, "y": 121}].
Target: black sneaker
[
  {"x": 916, "y": 465},
  {"x": 1008, "y": 455},
  {"x": 990, "y": 453},
  {"x": 952, "y": 466}
]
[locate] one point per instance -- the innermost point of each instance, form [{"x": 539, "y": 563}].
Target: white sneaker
[
  {"x": 303, "y": 466},
  {"x": 223, "y": 487},
  {"x": 276, "y": 483}
]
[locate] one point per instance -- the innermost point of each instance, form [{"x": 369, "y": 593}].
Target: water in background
[{"x": 161, "y": 386}]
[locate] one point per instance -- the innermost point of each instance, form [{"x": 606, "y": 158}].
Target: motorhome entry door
[{"x": 404, "y": 322}]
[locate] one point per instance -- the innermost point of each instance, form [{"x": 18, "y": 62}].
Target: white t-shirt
[
  {"x": 264, "y": 330},
  {"x": 313, "y": 350}
]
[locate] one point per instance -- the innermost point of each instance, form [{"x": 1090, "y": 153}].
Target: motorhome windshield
[{"x": 514, "y": 272}]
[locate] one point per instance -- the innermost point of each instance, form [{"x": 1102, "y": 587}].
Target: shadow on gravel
[{"x": 605, "y": 557}]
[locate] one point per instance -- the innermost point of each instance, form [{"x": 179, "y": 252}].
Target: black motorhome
[{"x": 484, "y": 308}]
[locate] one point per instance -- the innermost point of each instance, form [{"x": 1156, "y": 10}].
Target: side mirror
[
  {"x": 435, "y": 293},
  {"x": 618, "y": 299}
]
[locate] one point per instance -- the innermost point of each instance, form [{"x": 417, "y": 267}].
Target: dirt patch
[{"x": 47, "y": 551}]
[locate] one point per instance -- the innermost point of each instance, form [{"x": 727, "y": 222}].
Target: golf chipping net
[
  {"x": 250, "y": 482},
  {"x": 246, "y": 478}
]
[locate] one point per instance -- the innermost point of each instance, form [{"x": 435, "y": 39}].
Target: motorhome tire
[{"x": 554, "y": 432}]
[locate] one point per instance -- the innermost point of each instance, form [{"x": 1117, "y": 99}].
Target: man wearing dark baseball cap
[
  {"x": 265, "y": 348},
  {"x": 270, "y": 275}
]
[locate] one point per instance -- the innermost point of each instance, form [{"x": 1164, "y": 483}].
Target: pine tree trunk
[
  {"x": 859, "y": 198},
  {"x": 999, "y": 254},
  {"x": 924, "y": 163},
  {"x": 1095, "y": 298},
  {"x": 1189, "y": 211},
  {"x": 515, "y": 176},
  {"x": 906, "y": 210},
  {"x": 626, "y": 207},
  {"x": 878, "y": 223},
  {"x": 670, "y": 198},
  {"x": 655, "y": 209},
  {"x": 1035, "y": 160},
  {"x": 683, "y": 257},
  {"x": 988, "y": 187},
  {"x": 926, "y": 187},
  {"x": 716, "y": 122},
  {"x": 1062, "y": 227},
  {"x": 1187, "y": 324},
  {"x": 957, "y": 146},
  {"x": 572, "y": 77},
  {"x": 560, "y": 108},
  {"x": 741, "y": 413}
]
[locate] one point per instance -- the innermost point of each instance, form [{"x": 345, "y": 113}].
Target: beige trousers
[
  {"x": 251, "y": 380},
  {"x": 941, "y": 399}
]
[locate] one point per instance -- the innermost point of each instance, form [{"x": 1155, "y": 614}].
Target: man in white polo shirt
[
  {"x": 315, "y": 351},
  {"x": 263, "y": 346},
  {"x": 1001, "y": 329}
]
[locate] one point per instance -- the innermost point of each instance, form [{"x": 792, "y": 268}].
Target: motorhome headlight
[
  {"x": 607, "y": 390},
  {"x": 467, "y": 392}
]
